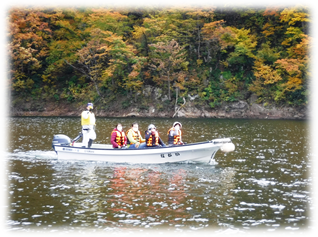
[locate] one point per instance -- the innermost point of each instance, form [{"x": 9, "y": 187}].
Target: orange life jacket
[
  {"x": 136, "y": 135},
  {"x": 120, "y": 138},
  {"x": 176, "y": 139},
  {"x": 151, "y": 142}
]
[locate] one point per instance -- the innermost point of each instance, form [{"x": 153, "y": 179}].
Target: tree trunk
[
  {"x": 176, "y": 105},
  {"x": 169, "y": 94},
  {"x": 146, "y": 45},
  {"x": 199, "y": 44},
  {"x": 97, "y": 89}
]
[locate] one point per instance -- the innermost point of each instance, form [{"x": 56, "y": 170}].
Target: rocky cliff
[
  {"x": 158, "y": 105},
  {"x": 240, "y": 109}
]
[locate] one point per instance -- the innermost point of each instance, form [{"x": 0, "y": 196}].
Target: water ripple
[{"x": 265, "y": 183}]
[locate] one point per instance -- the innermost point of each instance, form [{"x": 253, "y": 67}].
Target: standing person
[
  {"x": 88, "y": 126},
  {"x": 152, "y": 137},
  {"x": 134, "y": 137},
  {"x": 118, "y": 137},
  {"x": 174, "y": 134}
]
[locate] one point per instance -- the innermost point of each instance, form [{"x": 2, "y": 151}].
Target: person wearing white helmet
[
  {"x": 88, "y": 125},
  {"x": 174, "y": 134},
  {"x": 152, "y": 137}
]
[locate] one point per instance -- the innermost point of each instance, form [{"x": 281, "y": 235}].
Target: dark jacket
[{"x": 148, "y": 136}]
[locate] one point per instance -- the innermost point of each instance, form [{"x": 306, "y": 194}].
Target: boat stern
[{"x": 60, "y": 139}]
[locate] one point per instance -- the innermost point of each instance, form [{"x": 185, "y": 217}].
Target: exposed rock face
[
  {"x": 147, "y": 90},
  {"x": 238, "y": 106},
  {"x": 155, "y": 92},
  {"x": 132, "y": 114},
  {"x": 189, "y": 112},
  {"x": 238, "y": 109},
  {"x": 242, "y": 109}
]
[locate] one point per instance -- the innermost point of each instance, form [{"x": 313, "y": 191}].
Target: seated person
[
  {"x": 152, "y": 137},
  {"x": 174, "y": 134},
  {"x": 118, "y": 138},
  {"x": 134, "y": 137}
]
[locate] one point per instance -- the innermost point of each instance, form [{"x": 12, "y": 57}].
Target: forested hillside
[{"x": 213, "y": 54}]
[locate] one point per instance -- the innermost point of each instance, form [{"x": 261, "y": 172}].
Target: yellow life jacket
[
  {"x": 136, "y": 135},
  {"x": 89, "y": 121},
  {"x": 175, "y": 140},
  {"x": 120, "y": 138}
]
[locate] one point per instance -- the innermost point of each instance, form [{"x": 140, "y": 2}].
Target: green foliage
[
  {"x": 125, "y": 104},
  {"x": 143, "y": 107},
  {"x": 160, "y": 107},
  {"x": 56, "y": 97},
  {"x": 214, "y": 104}
]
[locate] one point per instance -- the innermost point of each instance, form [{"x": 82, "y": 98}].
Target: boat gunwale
[{"x": 150, "y": 148}]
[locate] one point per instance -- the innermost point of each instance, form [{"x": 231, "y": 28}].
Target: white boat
[{"x": 198, "y": 152}]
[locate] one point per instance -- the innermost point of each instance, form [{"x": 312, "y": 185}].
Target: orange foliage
[
  {"x": 293, "y": 83},
  {"x": 133, "y": 74},
  {"x": 301, "y": 49},
  {"x": 270, "y": 29},
  {"x": 102, "y": 12},
  {"x": 265, "y": 72},
  {"x": 290, "y": 65},
  {"x": 215, "y": 31}
]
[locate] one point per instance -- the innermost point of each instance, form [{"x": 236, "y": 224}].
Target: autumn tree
[
  {"x": 183, "y": 24},
  {"x": 109, "y": 20},
  {"x": 279, "y": 78},
  {"x": 29, "y": 34},
  {"x": 273, "y": 29},
  {"x": 294, "y": 69},
  {"x": 218, "y": 36},
  {"x": 189, "y": 22},
  {"x": 68, "y": 37},
  {"x": 266, "y": 77},
  {"x": 124, "y": 65},
  {"x": 134, "y": 81},
  {"x": 138, "y": 15},
  {"x": 168, "y": 59},
  {"x": 145, "y": 34},
  {"x": 244, "y": 48},
  {"x": 90, "y": 59},
  {"x": 245, "y": 16}
]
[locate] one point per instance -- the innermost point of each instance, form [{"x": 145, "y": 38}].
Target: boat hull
[{"x": 199, "y": 152}]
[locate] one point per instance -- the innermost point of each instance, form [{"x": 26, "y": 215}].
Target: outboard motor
[{"x": 61, "y": 139}]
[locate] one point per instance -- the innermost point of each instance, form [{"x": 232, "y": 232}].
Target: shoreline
[
  {"x": 98, "y": 116},
  {"x": 234, "y": 110}
]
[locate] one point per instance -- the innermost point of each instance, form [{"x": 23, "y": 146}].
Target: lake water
[{"x": 264, "y": 185}]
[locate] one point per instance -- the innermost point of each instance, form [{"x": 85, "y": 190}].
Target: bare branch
[
  {"x": 78, "y": 69},
  {"x": 184, "y": 102}
]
